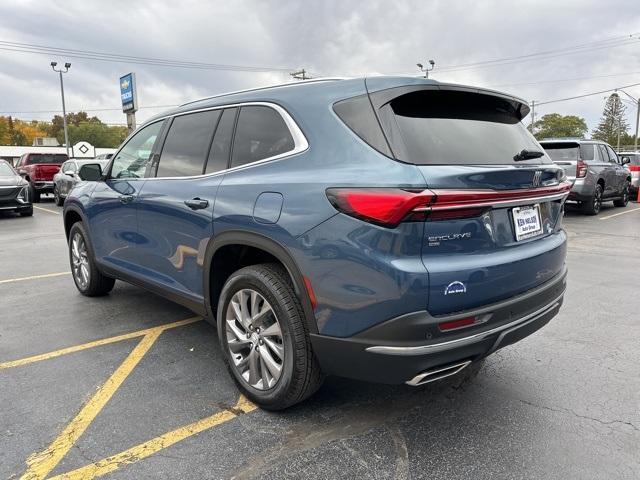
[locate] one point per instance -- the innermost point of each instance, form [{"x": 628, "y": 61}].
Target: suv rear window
[
  {"x": 52, "y": 158},
  {"x": 436, "y": 127},
  {"x": 569, "y": 151}
]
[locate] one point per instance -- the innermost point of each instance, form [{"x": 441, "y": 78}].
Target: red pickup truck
[{"x": 38, "y": 169}]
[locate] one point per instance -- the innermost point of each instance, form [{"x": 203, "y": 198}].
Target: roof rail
[{"x": 314, "y": 80}]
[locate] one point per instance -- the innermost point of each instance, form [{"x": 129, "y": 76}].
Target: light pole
[
  {"x": 64, "y": 109},
  {"x": 637, "y": 102},
  {"x": 427, "y": 69}
]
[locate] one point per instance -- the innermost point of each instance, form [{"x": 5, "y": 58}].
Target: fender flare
[
  {"x": 256, "y": 240},
  {"x": 75, "y": 209}
]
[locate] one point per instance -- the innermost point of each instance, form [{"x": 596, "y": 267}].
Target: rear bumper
[
  {"x": 582, "y": 190},
  {"x": 43, "y": 186},
  {"x": 390, "y": 353}
]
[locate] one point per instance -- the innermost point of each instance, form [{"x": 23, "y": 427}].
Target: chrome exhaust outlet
[{"x": 437, "y": 374}]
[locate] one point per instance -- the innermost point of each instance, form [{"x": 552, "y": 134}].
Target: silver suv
[{"x": 598, "y": 175}]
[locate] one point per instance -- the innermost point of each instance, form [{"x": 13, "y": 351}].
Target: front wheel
[
  {"x": 56, "y": 196},
  {"x": 88, "y": 279},
  {"x": 34, "y": 194},
  {"x": 264, "y": 338},
  {"x": 624, "y": 199}
]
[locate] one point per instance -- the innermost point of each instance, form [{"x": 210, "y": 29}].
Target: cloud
[{"x": 344, "y": 38}]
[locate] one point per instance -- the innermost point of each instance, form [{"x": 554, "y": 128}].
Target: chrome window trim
[{"x": 299, "y": 140}]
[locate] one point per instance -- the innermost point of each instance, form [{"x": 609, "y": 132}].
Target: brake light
[
  {"x": 581, "y": 169},
  {"x": 389, "y": 206}
]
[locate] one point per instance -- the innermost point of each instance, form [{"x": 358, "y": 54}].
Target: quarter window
[
  {"x": 134, "y": 158},
  {"x": 185, "y": 149},
  {"x": 221, "y": 146},
  {"x": 261, "y": 133}
]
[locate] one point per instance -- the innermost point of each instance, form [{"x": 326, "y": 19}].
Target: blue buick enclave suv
[{"x": 389, "y": 229}]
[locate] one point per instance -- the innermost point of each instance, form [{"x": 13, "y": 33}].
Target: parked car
[
  {"x": 634, "y": 167},
  {"x": 68, "y": 176},
  {"x": 598, "y": 175},
  {"x": 104, "y": 156},
  {"x": 38, "y": 169},
  {"x": 14, "y": 191},
  {"x": 444, "y": 210}
]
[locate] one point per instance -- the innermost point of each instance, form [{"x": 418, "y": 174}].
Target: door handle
[
  {"x": 125, "y": 198},
  {"x": 196, "y": 203}
]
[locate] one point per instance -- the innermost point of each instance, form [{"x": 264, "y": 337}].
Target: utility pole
[
  {"x": 426, "y": 70},
  {"x": 64, "y": 109},
  {"x": 637, "y": 102},
  {"x": 619, "y": 119},
  {"x": 533, "y": 116},
  {"x": 300, "y": 75}
]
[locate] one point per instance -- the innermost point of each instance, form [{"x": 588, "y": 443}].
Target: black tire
[
  {"x": 300, "y": 376},
  {"x": 624, "y": 201},
  {"x": 97, "y": 284},
  {"x": 56, "y": 196},
  {"x": 593, "y": 206},
  {"x": 34, "y": 195},
  {"x": 27, "y": 213}
]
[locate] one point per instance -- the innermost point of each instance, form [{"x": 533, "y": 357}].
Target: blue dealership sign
[{"x": 128, "y": 93}]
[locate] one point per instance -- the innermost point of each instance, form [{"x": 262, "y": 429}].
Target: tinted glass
[
  {"x": 588, "y": 152},
  {"x": 133, "y": 159},
  {"x": 453, "y": 128},
  {"x": 6, "y": 170},
  {"x": 634, "y": 157},
  {"x": 187, "y": 144},
  {"x": 261, "y": 133},
  {"x": 52, "y": 158},
  {"x": 221, "y": 146},
  {"x": 612, "y": 155},
  {"x": 562, "y": 152}
]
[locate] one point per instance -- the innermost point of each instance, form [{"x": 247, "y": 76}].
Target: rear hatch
[
  {"x": 566, "y": 155},
  {"x": 45, "y": 172},
  {"x": 46, "y": 165},
  {"x": 494, "y": 199}
]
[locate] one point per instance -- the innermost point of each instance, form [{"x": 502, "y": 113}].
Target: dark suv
[
  {"x": 387, "y": 229},
  {"x": 598, "y": 175}
]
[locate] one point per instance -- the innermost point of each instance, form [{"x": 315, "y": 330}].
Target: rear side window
[
  {"x": 55, "y": 159},
  {"x": 221, "y": 146},
  {"x": 261, "y": 133},
  {"x": 443, "y": 127},
  {"x": 187, "y": 144}
]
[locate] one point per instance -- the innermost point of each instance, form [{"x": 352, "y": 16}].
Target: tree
[
  {"x": 97, "y": 133},
  {"x": 613, "y": 121},
  {"x": 554, "y": 125}
]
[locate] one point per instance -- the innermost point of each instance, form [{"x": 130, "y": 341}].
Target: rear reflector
[
  {"x": 455, "y": 324},
  {"x": 312, "y": 295},
  {"x": 390, "y": 206}
]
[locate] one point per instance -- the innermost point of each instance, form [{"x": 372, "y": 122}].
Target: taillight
[
  {"x": 390, "y": 206},
  {"x": 581, "y": 169}
]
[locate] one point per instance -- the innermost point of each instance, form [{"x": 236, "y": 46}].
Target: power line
[
  {"x": 631, "y": 39},
  {"x": 558, "y": 80},
  {"x": 121, "y": 58},
  {"x": 117, "y": 109},
  {"x": 587, "y": 94}
]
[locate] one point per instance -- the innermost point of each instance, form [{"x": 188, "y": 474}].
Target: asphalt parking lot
[{"x": 133, "y": 386}]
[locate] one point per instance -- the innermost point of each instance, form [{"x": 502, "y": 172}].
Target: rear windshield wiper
[{"x": 527, "y": 154}]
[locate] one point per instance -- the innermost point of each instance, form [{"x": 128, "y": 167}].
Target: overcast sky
[{"x": 329, "y": 38}]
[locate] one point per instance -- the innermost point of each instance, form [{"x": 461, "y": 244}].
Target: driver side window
[{"x": 132, "y": 161}]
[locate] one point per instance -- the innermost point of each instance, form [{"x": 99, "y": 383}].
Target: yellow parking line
[
  {"x": 621, "y": 213},
  {"x": 40, "y": 464},
  {"x": 150, "y": 447},
  {"x": 47, "y": 210},
  {"x": 97, "y": 343},
  {"x": 34, "y": 277}
]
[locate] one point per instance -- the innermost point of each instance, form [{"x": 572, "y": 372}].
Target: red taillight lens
[
  {"x": 383, "y": 206},
  {"x": 581, "y": 169},
  {"x": 389, "y": 206},
  {"x": 455, "y": 324}
]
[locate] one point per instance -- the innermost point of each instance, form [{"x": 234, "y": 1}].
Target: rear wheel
[
  {"x": 88, "y": 279},
  {"x": 624, "y": 200},
  {"x": 56, "y": 196},
  {"x": 264, "y": 338},
  {"x": 593, "y": 206}
]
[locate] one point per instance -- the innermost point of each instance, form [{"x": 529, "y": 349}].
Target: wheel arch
[
  {"x": 271, "y": 248},
  {"x": 71, "y": 216}
]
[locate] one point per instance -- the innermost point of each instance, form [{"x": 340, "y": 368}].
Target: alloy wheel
[
  {"x": 597, "y": 200},
  {"x": 80, "y": 261},
  {"x": 254, "y": 339}
]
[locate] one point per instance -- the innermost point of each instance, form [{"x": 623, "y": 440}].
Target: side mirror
[
  {"x": 625, "y": 160},
  {"x": 91, "y": 172}
]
